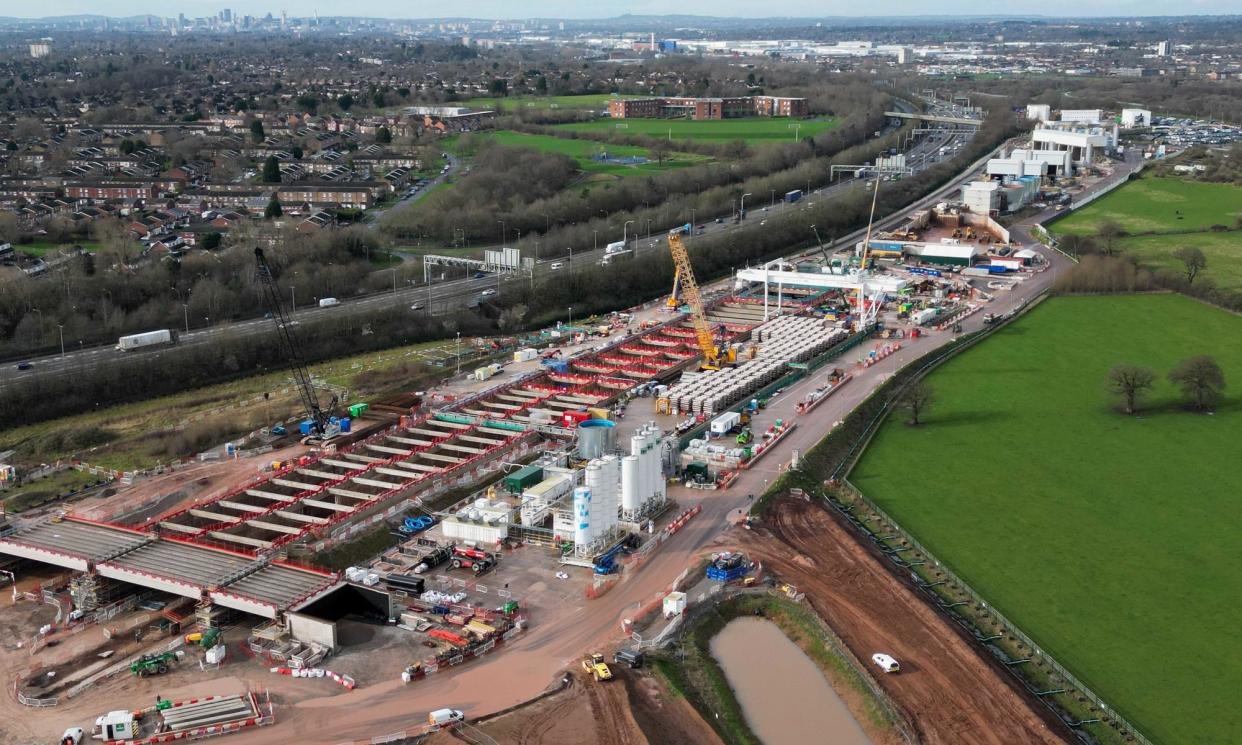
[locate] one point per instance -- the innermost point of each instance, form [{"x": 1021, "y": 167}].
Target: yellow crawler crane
[{"x": 714, "y": 356}]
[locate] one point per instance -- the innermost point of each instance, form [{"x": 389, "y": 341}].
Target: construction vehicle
[
  {"x": 674, "y": 299},
  {"x": 73, "y": 736},
  {"x": 596, "y": 666},
  {"x": 715, "y": 355},
  {"x": 205, "y": 639},
  {"x": 320, "y": 428},
  {"x": 744, "y": 437},
  {"x": 152, "y": 664},
  {"x": 474, "y": 559}
]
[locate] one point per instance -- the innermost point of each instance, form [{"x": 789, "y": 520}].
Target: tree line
[{"x": 1199, "y": 378}]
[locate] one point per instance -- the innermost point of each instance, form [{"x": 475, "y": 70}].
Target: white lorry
[
  {"x": 616, "y": 247},
  {"x": 145, "y": 339},
  {"x": 329, "y": 302}
]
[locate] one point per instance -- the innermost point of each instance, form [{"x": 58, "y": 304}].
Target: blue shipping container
[
  {"x": 306, "y": 427},
  {"x": 345, "y": 424},
  {"x": 994, "y": 269}
]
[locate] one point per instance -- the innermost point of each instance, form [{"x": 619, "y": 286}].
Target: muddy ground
[
  {"x": 632, "y": 709},
  {"x": 947, "y": 690}
]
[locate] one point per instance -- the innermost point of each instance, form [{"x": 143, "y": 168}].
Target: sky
[{"x": 597, "y": 9}]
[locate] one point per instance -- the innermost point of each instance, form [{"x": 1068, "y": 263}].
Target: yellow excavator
[{"x": 715, "y": 355}]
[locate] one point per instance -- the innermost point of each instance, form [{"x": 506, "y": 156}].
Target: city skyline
[{"x": 565, "y": 9}]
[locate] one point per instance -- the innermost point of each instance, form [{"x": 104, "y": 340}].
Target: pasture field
[
  {"x": 1159, "y": 205},
  {"x": 1222, "y": 250},
  {"x": 584, "y": 151},
  {"x": 1110, "y": 540},
  {"x": 754, "y": 130}
]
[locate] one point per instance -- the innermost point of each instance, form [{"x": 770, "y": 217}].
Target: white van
[
  {"x": 556, "y": 266},
  {"x": 441, "y": 717},
  {"x": 329, "y": 302},
  {"x": 885, "y": 662}
]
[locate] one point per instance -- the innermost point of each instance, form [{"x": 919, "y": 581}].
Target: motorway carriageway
[{"x": 449, "y": 296}]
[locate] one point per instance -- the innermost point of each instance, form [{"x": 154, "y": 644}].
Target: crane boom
[
  {"x": 289, "y": 346},
  {"x": 690, "y": 292}
]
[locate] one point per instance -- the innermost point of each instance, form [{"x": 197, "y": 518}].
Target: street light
[
  {"x": 61, "y": 326},
  {"x": 773, "y": 194},
  {"x": 185, "y": 307},
  {"x": 459, "y": 353},
  {"x": 625, "y": 235},
  {"x": 293, "y": 293},
  {"x": 571, "y": 315},
  {"x": 742, "y": 212},
  {"x": 394, "y": 279},
  {"x": 596, "y": 232}
]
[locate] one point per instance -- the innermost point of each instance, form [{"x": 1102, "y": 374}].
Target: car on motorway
[
  {"x": 24, "y": 365},
  {"x": 488, "y": 292},
  {"x": 416, "y": 306},
  {"x": 556, "y": 266}
]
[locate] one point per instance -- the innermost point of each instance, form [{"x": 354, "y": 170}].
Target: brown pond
[{"x": 783, "y": 695}]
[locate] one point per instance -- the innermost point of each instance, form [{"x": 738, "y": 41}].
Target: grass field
[
  {"x": 39, "y": 248},
  {"x": 755, "y": 130},
  {"x": 1111, "y": 540},
  {"x": 584, "y": 151},
  {"x": 1222, "y": 250},
  {"x": 1152, "y": 205},
  {"x": 588, "y": 101}
]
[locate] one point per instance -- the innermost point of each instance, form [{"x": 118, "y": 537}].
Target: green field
[
  {"x": 584, "y": 152},
  {"x": 1151, "y": 205},
  {"x": 1111, "y": 540},
  {"x": 587, "y": 101},
  {"x": 39, "y": 248},
  {"x": 1222, "y": 250},
  {"x": 755, "y": 130}
]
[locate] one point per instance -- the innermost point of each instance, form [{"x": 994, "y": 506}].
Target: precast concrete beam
[
  {"x": 218, "y": 517},
  {"x": 299, "y": 485}
]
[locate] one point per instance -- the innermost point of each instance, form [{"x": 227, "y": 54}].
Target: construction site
[{"x": 578, "y": 486}]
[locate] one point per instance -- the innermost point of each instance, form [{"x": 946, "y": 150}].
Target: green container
[
  {"x": 520, "y": 481},
  {"x": 355, "y": 410}
]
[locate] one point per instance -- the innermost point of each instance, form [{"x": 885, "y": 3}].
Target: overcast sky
[{"x": 598, "y": 9}]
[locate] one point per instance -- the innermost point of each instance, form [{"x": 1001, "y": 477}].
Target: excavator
[{"x": 715, "y": 355}]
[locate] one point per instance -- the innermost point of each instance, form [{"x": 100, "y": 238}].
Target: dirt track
[
  {"x": 948, "y": 692},
  {"x": 631, "y": 710}
]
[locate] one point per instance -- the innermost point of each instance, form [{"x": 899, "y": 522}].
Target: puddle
[{"x": 783, "y": 695}]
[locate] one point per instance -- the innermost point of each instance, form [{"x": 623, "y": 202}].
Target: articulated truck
[{"x": 146, "y": 339}]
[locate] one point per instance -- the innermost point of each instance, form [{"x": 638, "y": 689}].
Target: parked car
[{"x": 885, "y": 662}]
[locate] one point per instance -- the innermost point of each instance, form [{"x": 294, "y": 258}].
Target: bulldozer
[{"x": 596, "y": 666}]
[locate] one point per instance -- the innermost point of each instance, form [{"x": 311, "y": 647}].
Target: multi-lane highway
[{"x": 451, "y": 295}]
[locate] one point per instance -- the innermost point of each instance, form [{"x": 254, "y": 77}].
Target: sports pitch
[
  {"x": 584, "y": 101},
  {"x": 755, "y": 130},
  {"x": 1163, "y": 205},
  {"x": 1113, "y": 541}
]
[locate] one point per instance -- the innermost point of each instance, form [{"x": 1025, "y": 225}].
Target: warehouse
[{"x": 945, "y": 254}]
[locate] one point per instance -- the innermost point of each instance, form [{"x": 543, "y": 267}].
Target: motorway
[{"x": 452, "y": 295}]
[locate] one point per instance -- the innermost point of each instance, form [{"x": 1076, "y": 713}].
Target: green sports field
[
  {"x": 755, "y": 130},
  {"x": 586, "y": 101},
  {"x": 1113, "y": 541},
  {"x": 1153, "y": 205},
  {"x": 584, "y": 152}
]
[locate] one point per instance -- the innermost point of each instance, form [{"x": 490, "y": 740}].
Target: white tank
[
  {"x": 610, "y": 500},
  {"x": 582, "y": 516},
  {"x": 630, "y": 475}
]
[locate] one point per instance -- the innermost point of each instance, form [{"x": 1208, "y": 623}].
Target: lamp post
[
  {"x": 293, "y": 293},
  {"x": 773, "y": 195},
  {"x": 625, "y": 234},
  {"x": 394, "y": 279},
  {"x": 459, "y": 353},
  {"x": 571, "y": 315},
  {"x": 61, "y": 327},
  {"x": 185, "y": 309},
  {"x": 596, "y": 232},
  {"x": 742, "y": 212}
]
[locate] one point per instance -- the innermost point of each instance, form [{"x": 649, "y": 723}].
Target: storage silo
[
  {"x": 630, "y": 475},
  {"x": 596, "y": 438},
  {"x": 582, "y": 518},
  {"x": 607, "y": 503}
]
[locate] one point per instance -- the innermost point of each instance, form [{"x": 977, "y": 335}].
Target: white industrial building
[
  {"x": 1135, "y": 118},
  {"x": 1080, "y": 140},
  {"x": 1040, "y": 112},
  {"x": 1082, "y": 116},
  {"x": 1022, "y": 162},
  {"x": 982, "y": 197}
]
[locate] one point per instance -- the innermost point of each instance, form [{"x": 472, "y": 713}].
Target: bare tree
[
  {"x": 1193, "y": 261},
  {"x": 1200, "y": 379},
  {"x": 1130, "y": 382},
  {"x": 1109, "y": 233},
  {"x": 916, "y": 398}
]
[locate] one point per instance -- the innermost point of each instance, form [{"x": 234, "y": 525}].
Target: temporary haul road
[{"x": 448, "y": 296}]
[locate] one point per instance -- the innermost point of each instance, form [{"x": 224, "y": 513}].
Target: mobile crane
[
  {"x": 674, "y": 297},
  {"x": 321, "y": 427},
  {"x": 715, "y": 356}
]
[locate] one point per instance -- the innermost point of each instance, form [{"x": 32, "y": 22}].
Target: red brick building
[{"x": 701, "y": 109}]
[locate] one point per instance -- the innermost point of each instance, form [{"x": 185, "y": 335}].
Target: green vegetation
[
  {"x": 142, "y": 434},
  {"x": 40, "y": 248},
  {"x": 755, "y": 130},
  {"x": 1152, "y": 205},
  {"x": 585, "y": 152},
  {"x": 1222, "y": 250},
  {"x": 357, "y": 550},
  {"x": 47, "y": 489},
  {"x": 1106, "y": 538},
  {"x": 587, "y": 101}
]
